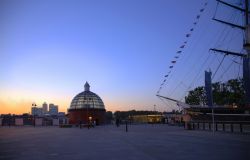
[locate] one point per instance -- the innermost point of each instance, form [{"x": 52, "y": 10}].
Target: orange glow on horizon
[
  {"x": 24, "y": 106},
  {"x": 11, "y": 106},
  {"x": 17, "y": 102}
]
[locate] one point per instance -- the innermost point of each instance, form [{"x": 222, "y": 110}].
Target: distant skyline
[{"x": 49, "y": 49}]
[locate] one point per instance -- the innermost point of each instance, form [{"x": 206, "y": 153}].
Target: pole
[
  {"x": 213, "y": 117},
  {"x": 209, "y": 93},
  {"x": 246, "y": 12},
  {"x": 246, "y": 60}
]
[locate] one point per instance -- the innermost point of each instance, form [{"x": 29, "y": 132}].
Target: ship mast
[{"x": 246, "y": 46}]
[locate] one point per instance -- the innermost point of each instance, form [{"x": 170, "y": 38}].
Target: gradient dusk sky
[{"x": 49, "y": 48}]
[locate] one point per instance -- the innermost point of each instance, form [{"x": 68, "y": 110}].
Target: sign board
[
  {"x": 55, "y": 122},
  {"x": 19, "y": 121},
  {"x": 38, "y": 121}
]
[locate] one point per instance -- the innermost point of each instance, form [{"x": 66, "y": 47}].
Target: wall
[{"x": 77, "y": 116}]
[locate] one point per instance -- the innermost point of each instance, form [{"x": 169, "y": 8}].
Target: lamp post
[{"x": 90, "y": 120}]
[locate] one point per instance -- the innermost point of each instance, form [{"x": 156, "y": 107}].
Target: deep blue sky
[{"x": 123, "y": 48}]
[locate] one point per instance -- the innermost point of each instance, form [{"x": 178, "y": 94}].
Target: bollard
[
  {"x": 126, "y": 126},
  {"x": 203, "y": 125},
  {"x": 198, "y": 125},
  {"x": 223, "y": 126},
  {"x": 209, "y": 126},
  {"x": 232, "y": 127},
  {"x": 216, "y": 127},
  {"x": 241, "y": 128}
]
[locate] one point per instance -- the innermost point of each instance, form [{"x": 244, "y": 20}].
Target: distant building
[
  {"x": 154, "y": 118},
  {"x": 50, "y": 105},
  {"x": 43, "y": 111},
  {"x": 36, "y": 111},
  {"x": 53, "y": 109},
  {"x": 45, "y": 108},
  {"x": 61, "y": 113}
]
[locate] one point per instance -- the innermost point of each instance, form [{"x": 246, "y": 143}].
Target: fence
[{"x": 225, "y": 126}]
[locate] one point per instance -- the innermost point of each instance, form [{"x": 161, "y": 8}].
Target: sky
[{"x": 123, "y": 48}]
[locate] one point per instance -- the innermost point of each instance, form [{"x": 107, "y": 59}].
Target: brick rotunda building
[{"x": 85, "y": 107}]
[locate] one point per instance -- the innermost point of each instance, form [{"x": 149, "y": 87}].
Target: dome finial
[{"x": 86, "y": 86}]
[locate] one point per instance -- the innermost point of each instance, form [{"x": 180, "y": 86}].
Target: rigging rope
[
  {"x": 181, "y": 48},
  {"x": 216, "y": 9},
  {"x": 219, "y": 66},
  {"x": 220, "y": 38}
]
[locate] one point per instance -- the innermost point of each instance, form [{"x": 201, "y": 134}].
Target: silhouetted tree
[
  {"x": 228, "y": 93},
  {"x": 196, "y": 96}
]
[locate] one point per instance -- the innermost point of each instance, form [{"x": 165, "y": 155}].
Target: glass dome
[{"x": 87, "y": 99}]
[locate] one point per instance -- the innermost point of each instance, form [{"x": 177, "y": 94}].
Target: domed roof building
[{"x": 86, "y": 107}]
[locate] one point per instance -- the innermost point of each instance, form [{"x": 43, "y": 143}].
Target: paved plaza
[{"x": 146, "y": 142}]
